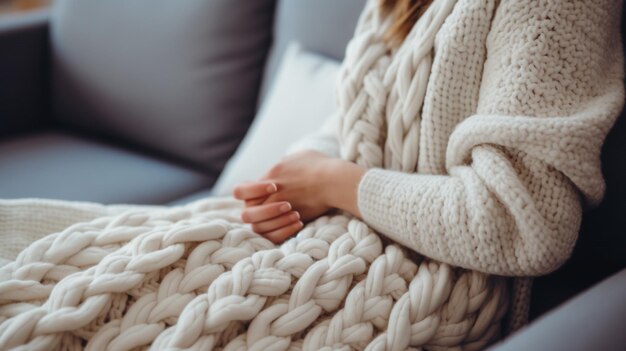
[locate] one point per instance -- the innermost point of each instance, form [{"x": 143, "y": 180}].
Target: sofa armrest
[
  {"x": 24, "y": 81},
  {"x": 594, "y": 320}
]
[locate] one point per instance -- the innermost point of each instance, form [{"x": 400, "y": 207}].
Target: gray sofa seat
[
  {"x": 62, "y": 166},
  {"x": 593, "y": 320}
]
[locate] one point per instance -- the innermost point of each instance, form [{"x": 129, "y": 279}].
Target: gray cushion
[
  {"x": 320, "y": 26},
  {"x": 592, "y": 321},
  {"x": 176, "y": 77},
  {"x": 61, "y": 166}
]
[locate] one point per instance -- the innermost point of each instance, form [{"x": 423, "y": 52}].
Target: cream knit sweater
[{"x": 518, "y": 103}]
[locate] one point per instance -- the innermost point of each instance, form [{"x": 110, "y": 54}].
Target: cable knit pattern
[
  {"x": 482, "y": 135},
  {"x": 117, "y": 281},
  {"x": 195, "y": 277}
]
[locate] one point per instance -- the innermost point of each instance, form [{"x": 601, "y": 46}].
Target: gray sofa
[{"x": 127, "y": 101}]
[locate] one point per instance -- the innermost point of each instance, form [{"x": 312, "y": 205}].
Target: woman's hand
[
  {"x": 286, "y": 196},
  {"x": 276, "y": 220},
  {"x": 309, "y": 182}
]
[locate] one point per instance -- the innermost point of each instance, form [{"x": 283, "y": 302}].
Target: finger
[
  {"x": 282, "y": 234},
  {"x": 276, "y": 223},
  {"x": 251, "y": 190},
  {"x": 255, "y": 202},
  {"x": 264, "y": 212}
]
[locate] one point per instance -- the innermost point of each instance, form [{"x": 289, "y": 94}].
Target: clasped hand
[{"x": 299, "y": 188}]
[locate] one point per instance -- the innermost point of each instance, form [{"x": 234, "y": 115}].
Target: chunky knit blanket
[{"x": 195, "y": 277}]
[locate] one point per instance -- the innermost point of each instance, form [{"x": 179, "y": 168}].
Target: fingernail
[
  {"x": 272, "y": 188},
  {"x": 286, "y": 207},
  {"x": 296, "y": 215},
  {"x": 300, "y": 224}
]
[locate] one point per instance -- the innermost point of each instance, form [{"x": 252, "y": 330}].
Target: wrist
[{"x": 341, "y": 181}]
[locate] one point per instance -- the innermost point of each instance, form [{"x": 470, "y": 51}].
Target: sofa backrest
[
  {"x": 320, "y": 26},
  {"x": 175, "y": 78}
]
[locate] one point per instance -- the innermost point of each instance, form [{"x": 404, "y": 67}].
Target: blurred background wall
[{"x": 7, "y": 6}]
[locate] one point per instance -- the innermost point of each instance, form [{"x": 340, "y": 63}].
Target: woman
[
  {"x": 490, "y": 125},
  {"x": 492, "y": 171}
]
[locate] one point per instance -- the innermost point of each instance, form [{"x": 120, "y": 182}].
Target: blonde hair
[{"x": 405, "y": 13}]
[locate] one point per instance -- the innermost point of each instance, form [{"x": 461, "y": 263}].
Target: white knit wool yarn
[
  {"x": 407, "y": 78},
  {"x": 368, "y": 305},
  {"x": 190, "y": 276},
  {"x": 133, "y": 271},
  {"x": 320, "y": 286},
  {"x": 442, "y": 312},
  {"x": 361, "y": 93},
  {"x": 382, "y": 89}
]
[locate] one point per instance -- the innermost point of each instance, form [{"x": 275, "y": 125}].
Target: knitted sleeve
[{"x": 522, "y": 168}]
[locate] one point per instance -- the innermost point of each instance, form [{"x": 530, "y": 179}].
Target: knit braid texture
[{"x": 195, "y": 277}]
